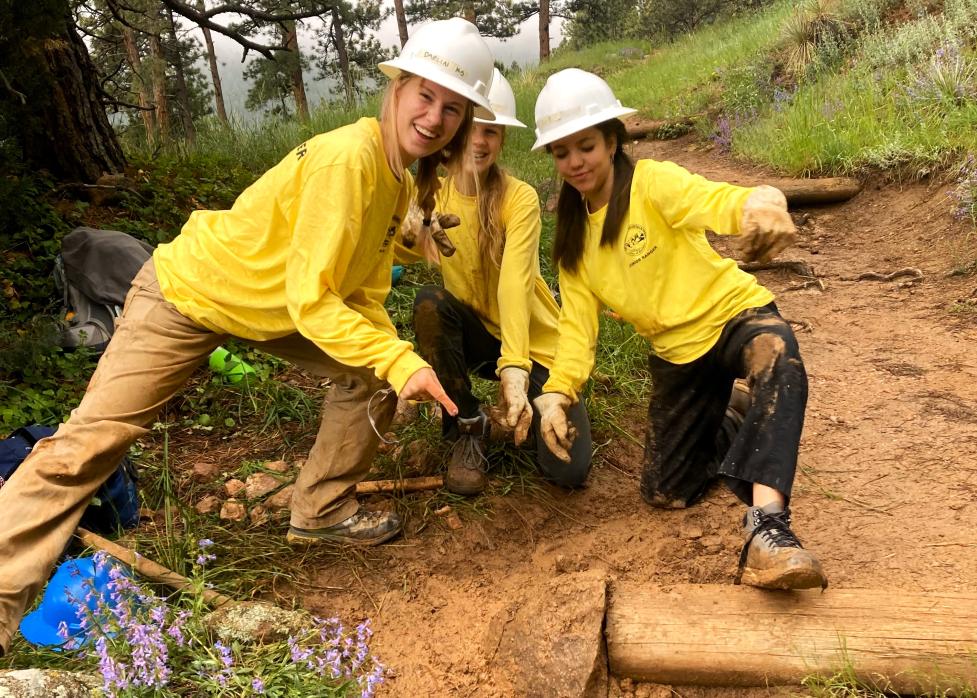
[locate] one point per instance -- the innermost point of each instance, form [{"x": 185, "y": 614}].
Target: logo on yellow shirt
[
  {"x": 635, "y": 240},
  {"x": 391, "y": 232}
]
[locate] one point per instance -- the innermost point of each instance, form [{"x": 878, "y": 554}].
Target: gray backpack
[{"x": 93, "y": 273}]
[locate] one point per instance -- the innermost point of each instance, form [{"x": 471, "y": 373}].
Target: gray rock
[
  {"x": 549, "y": 642},
  {"x": 256, "y": 622},
  {"x": 47, "y": 683}
]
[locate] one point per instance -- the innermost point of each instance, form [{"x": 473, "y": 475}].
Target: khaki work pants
[{"x": 151, "y": 356}]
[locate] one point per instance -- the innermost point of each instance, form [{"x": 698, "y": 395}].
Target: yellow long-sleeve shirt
[
  {"x": 512, "y": 301},
  {"x": 306, "y": 248},
  {"x": 662, "y": 275}
]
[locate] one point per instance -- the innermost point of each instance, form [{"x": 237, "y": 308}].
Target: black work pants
[
  {"x": 452, "y": 338},
  {"x": 690, "y": 439}
]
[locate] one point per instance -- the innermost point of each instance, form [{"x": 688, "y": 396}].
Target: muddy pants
[
  {"x": 690, "y": 439},
  {"x": 151, "y": 356},
  {"x": 452, "y": 338}
]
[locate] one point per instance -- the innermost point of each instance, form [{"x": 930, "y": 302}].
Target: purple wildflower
[
  {"x": 298, "y": 653},
  {"x": 257, "y": 685},
  {"x": 113, "y": 673}
]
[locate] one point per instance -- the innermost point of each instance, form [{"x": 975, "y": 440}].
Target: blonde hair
[
  {"x": 491, "y": 229},
  {"x": 426, "y": 182}
]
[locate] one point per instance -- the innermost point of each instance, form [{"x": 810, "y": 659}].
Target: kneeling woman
[
  {"x": 632, "y": 237},
  {"x": 495, "y": 315}
]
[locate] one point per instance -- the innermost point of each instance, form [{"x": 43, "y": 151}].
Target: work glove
[
  {"x": 558, "y": 431},
  {"x": 418, "y": 229},
  {"x": 766, "y": 228},
  {"x": 514, "y": 400}
]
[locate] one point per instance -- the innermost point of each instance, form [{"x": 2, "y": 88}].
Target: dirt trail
[{"x": 888, "y": 469}]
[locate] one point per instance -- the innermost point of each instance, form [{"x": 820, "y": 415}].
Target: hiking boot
[
  {"x": 468, "y": 465},
  {"x": 739, "y": 402},
  {"x": 363, "y": 528},
  {"x": 772, "y": 557}
]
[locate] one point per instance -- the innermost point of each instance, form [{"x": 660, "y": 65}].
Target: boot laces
[
  {"x": 468, "y": 449},
  {"x": 773, "y": 528}
]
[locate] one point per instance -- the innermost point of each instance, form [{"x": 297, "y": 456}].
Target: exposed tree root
[
  {"x": 792, "y": 266},
  {"x": 912, "y": 272}
]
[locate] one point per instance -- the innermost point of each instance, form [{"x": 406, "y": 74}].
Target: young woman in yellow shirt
[
  {"x": 299, "y": 267},
  {"x": 631, "y": 236},
  {"x": 495, "y": 316}
]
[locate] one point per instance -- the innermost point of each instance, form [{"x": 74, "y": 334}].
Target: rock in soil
[
  {"x": 208, "y": 505},
  {"x": 234, "y": 488},
  {"x": 233, "y": 510},
  {"x": 47, "y": 683},
  {"x": 205, "y": 472},
  {"x": 279, "y": 466},
  {"x": 256, "y": 622},
  {"x": 282, "y": 499},
  {"x": 548, "y": 642},
  {"x": 260, "y": 484}
]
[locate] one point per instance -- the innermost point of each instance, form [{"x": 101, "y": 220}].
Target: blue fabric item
[
  {"x": 116, "y": 504},
  {"x": 398, "y": 271},
  {"x": 75, "y": 584}
]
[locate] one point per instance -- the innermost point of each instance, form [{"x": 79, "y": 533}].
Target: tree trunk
[
  {"x": 160, "y": 98},
  {"x": 290, "y": 40},
  {"x": 182, "y": 93},
  {"x": 544, "y": 30},
  {"x": 468, "y": 11},
  {"x": 214, "y": 74},
  {"x": 339, "y": 43},
  {"x": 62, "y": 126},
  {"x": 904, "y": 642},
  {"x": 401, "y": 21},
  {"x": 140, "y": 83}
]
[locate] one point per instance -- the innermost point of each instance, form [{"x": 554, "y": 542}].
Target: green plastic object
[{"x": 232, "y": 367}]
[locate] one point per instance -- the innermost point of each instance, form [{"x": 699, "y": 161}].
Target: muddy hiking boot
[
  {"x": 363, "y": 528},
  {"x": 739, "y": 401},
  {"x": 772, "y": 557},
  {"x": 468, "y": 465}
]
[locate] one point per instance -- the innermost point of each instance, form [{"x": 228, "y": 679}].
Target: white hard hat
[
  {"x": 451, "y": 53},
  {"x": 572, "y": 100},
  {"x": 503, "y": 103}
]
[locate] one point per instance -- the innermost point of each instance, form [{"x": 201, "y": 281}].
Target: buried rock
[
  {"x": 549, "y": 640},
  {"x": 48, "y": 683},
  {"x": 256, "y": 623}
]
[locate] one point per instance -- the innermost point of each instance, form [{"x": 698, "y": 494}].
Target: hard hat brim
[
  {"x": 37, "y": 631},
  {"x": 426, "y": 70},
  {"x": 502, "y": 121},
  {"x": 579, "y": 124}
]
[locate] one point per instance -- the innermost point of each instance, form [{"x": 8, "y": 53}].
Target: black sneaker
[
  {"x": 772, "y": 557},
  {"x": 468, "y": 465},
  {"x": 362, "y": 528}
]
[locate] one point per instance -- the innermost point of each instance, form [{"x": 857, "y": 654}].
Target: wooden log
[
  {"x": 410, "y": 484},
  {"x": 718, "y": 635},
  {"x": 660, "y": 129},
  {"x": 827, "y": 190},
  {"x": 146, "y": 567}
]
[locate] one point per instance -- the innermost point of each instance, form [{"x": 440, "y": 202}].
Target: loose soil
[{"x": 885, "y": 491}]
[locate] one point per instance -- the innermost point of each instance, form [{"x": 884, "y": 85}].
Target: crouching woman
[{"x": 631, "y": 236}]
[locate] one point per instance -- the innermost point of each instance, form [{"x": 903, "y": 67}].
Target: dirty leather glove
[
  {"x": 514, "y": 399},
  {"x": 558, "y": 432},
  {"x": 766, "y": 228},
  {"x": 418, "y": 228}
]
